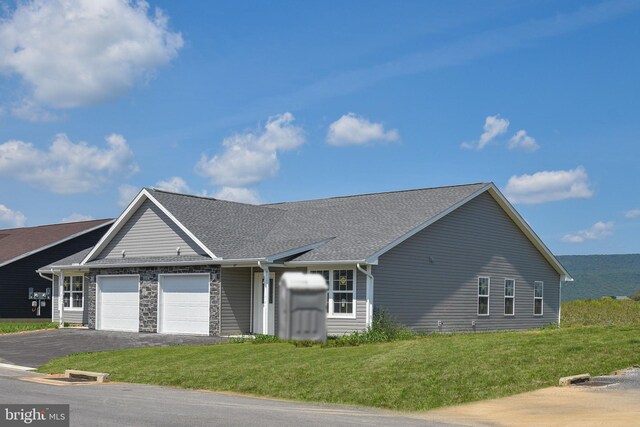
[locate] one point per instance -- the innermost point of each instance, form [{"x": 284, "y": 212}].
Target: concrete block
[
  {"x": 565, "y": 381},
  {"x": 100, "y": 377}
]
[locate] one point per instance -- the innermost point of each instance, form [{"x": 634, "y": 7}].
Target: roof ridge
[
  {"x": 57, "y": 224},
  {"x": 379, "y": 192},
  {"x": 196, "y": 196}
]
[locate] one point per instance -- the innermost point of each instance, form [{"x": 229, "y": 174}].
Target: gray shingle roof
[
  {"x": 350, "y": 228},
  {"x": 364, "y": 224},
  {"x": 354, "y": 227},
  {"x": 223, "y": 227}
]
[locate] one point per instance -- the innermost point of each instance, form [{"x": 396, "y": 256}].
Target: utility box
[{"x": 303, "y": 307}]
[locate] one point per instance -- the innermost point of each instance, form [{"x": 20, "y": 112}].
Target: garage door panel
[
  {"x": 184, "y": 304},
  {"x": 118, "y": 303}
]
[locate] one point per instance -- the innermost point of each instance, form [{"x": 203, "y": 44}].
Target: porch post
[
  {"x": 61, "y": 297},
  {"x": 265, "y": 301},
  {"x": 369, "y": 297}
]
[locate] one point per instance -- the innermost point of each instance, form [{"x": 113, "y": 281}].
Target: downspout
[
  {"x": 559, "y": 301},
  {"x": 51, "y": 280},
  {"x": 265, "y": 299},
  {"x": 369, "y": 307}
]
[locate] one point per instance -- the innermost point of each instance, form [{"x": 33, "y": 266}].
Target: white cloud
[
  {"x": 238, "y": 194},
  {"x": 549, "y": 186},
  {"x": 75, "y": 217},
  {"x": 67, "y": 168},
  {"x": 174, "y": 184},
  {"x": 633, "y": 213},
  {"x": 126, "y": 193},
  {"x": 72, "y": 53},
  {"x": 493, "y": 127},
  {"x": 523, "y": 141},
  {"x": 252, "y": 157},
  {"x": 32, "y": 112},
  {"x": 351, "y": 129},
  {"x": 12, "y": 218},
  {"x": 597, "y": 231}
]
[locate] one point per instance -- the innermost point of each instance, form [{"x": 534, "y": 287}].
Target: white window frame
[
  {"x": 487, "y": 296},
  {"x": 330, "y": 312},
  {"x": 71, "y": 292},
  {"x": 511, "y": 297},
  {"x": 541, "y": 298}
]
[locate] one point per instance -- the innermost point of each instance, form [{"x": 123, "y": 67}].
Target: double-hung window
[
  {"x": 483, "y": 296},
  {"x": 538, "y": 298},
  {"x": 73, "y": 292},
  {"x": 341, "y": 296},
  {"x": 509, "y": 297}
]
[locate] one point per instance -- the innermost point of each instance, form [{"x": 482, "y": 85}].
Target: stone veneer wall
[{"x": 149, "y": 293}]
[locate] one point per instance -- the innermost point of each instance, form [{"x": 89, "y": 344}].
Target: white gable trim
[
  {"x": 50, "y": 245},
  {"x": 506, "y": 207},
  {"x": 127, "y": 214},
  {"x": 528, "y": 231}
]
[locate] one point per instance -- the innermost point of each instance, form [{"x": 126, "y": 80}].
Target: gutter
[{"x": 41, "y": 274}]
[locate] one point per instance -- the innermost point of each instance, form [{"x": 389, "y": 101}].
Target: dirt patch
[{"x": 555, "y": 406}]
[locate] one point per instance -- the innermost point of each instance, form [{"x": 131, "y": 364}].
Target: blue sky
[{"x": 275, "y": 101}]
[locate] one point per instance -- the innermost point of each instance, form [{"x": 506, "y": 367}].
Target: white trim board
[{"x": 127, "y": 214}]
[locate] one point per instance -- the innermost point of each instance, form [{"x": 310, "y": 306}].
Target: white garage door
[
  {"x": 117, "y": 303},
  {"x": 183, "y": 306}
]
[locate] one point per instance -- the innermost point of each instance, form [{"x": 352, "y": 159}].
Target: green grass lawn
[
  {"x": 12, "y": 327},
  {"x": 419, "y": 374}
]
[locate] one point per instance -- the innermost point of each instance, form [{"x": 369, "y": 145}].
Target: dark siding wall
[
  {"x": 16, "y": 278},
  {"x": 478, "y": 239}
]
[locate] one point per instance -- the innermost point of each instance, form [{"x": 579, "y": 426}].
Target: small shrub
[
  {"x": 384, "y": 328},
  {"x": 636, "y": 296},
  {"x": 265, "y": 339}
]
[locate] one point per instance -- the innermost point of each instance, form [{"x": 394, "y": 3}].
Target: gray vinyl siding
[
  {"x": 148, "y": 233},
  {"x": 235, "y": 309},
  {"x": 341, "y": 325},
  {"x": 80, "y": 317},
  {"x": 335, "y": 326},
  {"x": 433, "y": 276}
]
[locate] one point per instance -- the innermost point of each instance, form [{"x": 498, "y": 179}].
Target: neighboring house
[
  {"x": 23, "y": 250},
  {"x": 454, "y": 258}
]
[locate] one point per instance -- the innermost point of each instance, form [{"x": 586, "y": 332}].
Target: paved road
[
  {"x": 36, "y": 348},
  {"x": 140, "y": 405}
]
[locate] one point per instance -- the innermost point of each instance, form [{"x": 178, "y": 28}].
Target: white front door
[
  {"x": 117, "y": 303},
  {"x": 258, "y": 298},
  {"x": 183, "y": 304}
]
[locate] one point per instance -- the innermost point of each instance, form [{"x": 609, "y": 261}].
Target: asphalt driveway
[{"x": 36, "y": 348}]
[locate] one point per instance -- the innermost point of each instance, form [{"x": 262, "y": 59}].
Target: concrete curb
[{"x": 16, "y": 367}]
